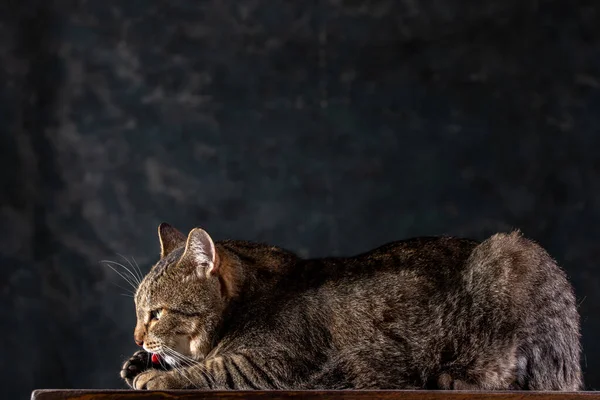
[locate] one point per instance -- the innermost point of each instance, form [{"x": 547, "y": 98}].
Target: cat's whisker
[
  {"x": 178, "y": 357},
  {"x": 189, "y": 362},
  {"x": 181, "y": 371},
  {"x": 130, "y": 273},
  {"x": 160, "y": 361},
  {"x": 138, "y": 268},
  {"x": 200, "y": 365},
  {"x": 133, "y": 270},
  {"x": 126, "y": 278},
  {"x": 185, "y": 358},
  {"x": 130, "y": 292},
  {"x": 134, "y": 273},
  {"x": 131, "y": 284}
]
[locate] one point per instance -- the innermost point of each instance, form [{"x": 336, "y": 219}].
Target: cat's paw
[
  {"x": 156, "y": 379},
  {"x": 138, "y": 363}
]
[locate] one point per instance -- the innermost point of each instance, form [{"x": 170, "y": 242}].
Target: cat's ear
[
  {"x": 170, "y": 239},
  {"x": 200, "y": 251}
]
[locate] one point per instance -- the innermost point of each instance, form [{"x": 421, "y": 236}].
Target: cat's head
[{"x": 180, "y": 303}]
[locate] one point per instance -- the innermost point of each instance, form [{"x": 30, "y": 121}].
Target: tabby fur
[{"x": 423, "y": 313}]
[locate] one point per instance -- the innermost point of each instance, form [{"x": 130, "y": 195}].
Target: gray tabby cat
[{"x": 435, "y": 313}]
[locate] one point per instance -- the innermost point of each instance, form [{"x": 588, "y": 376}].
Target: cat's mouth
[
  {"x": 163, "y": 359},
  {"x": 167, "y": 356}
]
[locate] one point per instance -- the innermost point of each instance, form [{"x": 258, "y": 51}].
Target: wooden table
[{"x": 308, "y": 395}]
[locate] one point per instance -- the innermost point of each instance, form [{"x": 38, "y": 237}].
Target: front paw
[
  {"x": 156, "y": 379},
  {"x": 137, "y": 364}
]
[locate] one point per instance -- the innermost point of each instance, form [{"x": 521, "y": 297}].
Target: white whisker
[
  {"x": 190, "y": 363},
  {"x": 160, "y": 361},
  {"x": 129, "y": 291},
  {"x": 138, "y": 268},
  {"x": 127, "y": 277},
  {"x": 181, "y": 371},
  {"x": 133, "y": 276},
  {"x": 130, "y": 273},
  {"x": 137, "y": 275},
  {"x": 128, "y": 280}
]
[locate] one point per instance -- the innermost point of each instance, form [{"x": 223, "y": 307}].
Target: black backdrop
[{"x": 325, "y": 127}]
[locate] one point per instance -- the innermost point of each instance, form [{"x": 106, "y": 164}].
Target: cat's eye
[{"x": 156, "y": 314}]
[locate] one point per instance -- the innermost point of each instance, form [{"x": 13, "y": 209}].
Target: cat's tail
[{"x": 548, "y": 355}]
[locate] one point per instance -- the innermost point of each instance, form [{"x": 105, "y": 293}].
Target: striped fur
[{"x": 436, "y": 313}]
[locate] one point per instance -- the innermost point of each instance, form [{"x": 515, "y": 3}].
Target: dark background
[{"x": 326, "y": 127}]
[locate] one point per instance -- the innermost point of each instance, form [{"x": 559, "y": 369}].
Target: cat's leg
[
  {"x": 330, "y": 377},
  {"x": 382, "y": 364},
  {"x": 492, "y": 367},
  {"x": 446, "y": 381},
  {"x": 366, "y": 367},
  {"x": 138, "y": 363},
  {"x": 245, "y": 371},
  {"x": 525, "y": 278}
]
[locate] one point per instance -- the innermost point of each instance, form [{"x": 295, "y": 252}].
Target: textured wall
[{"x": 326, "y": 127}]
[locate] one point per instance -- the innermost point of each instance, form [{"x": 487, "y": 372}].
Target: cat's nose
[{"x": 139, "y": 342}]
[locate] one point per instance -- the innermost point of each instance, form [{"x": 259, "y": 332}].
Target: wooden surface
[{"x": 337, "y": 395}]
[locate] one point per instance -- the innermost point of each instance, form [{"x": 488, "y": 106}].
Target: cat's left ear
[
  {"x": 170, "y": 239},
  {"x": 200, "y": 252}
]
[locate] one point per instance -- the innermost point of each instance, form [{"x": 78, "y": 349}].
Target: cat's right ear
[
  {"x": 170, "y": 239},
  {"x": 200, "y": 252}
]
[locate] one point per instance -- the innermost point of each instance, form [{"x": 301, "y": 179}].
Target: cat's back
[
  {"x": 452, "y": 307},
  {"x": 432, "y": 264},
  {"x": 427, "y": 254},
  {"x": 439, "y": 260}
]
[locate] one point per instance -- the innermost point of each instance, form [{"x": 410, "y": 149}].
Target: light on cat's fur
[{"x": 438, "y": 313}]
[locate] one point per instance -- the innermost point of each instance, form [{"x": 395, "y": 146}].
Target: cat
[{"x": 423, "y": 313}]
